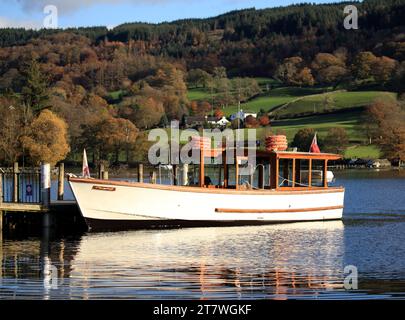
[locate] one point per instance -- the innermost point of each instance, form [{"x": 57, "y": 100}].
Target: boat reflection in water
[{"x": 272, "y": 262}]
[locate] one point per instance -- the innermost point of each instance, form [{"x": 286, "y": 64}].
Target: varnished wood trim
[
  {"x": 103, "y": 188},
  {"x": 313, "y": 190},
  {"x": 227, "y": 210}
]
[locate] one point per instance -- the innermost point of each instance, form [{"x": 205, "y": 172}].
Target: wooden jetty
[
  {"x": 39, "y": 212},
  {"x": 19, "y": 211}
]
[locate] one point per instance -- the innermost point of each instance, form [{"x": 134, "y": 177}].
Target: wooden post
[
  {"x": 46, "y": 192},
  {"x": 293, "y": 173},
  {"x": 310, "y": 173},
  {"x": 105, "y": 175},
  {"x": 175, "y": 174},
  {"x": 261, "y": 176},
  {"x": 153, "y": 177},
  {"x": 185, "y": 174},
  {"x": 251, "y": 175},
  {"x": 15, "y": 182},
  {"x": 325, "y": 174},
  {"x": 1, "y": 189},
  {"x": 274, "y": 171},
  {"x": 1, "y": 213},
  {"x": 100, "y": 171},
  {"x": 237, "y": 172},
  {"x": 140, "y": 173},
  {"x": 202, "y": 174},
  {"x": 226, "y": 171},
  {"x": 61, "y": 181}
]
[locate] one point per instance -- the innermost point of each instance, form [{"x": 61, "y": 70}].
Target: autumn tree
[
  {"x": 363, "y": 64},
  {"x": 389, "y": 117},
  {"x": 198, "y": 78},
  {"x": 264, "y": 120},
  {"x": 293, "y": 72},
  {"x": 46, "y": 139},
  {"x": 383, "y": 69},
  {"x": 116, "y": 135},
  {"x": 399, "y": 79},
  {"x": 329, "y": 68},
  {"x": 336, "y": 140},
  {"x": 144, "y": 112},
  {"x": 218, "y": 113},
  {"x": 251, "y": 122},
  {"x": 288, "y": 69},
  {"x": 11, "y": 128},
  {"x": 304, "y": 77},
  {"x": 303, "y": 139}
]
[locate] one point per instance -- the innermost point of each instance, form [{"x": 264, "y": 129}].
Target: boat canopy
[{"x": 280, "y": 170}]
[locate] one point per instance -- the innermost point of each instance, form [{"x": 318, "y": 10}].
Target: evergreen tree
[{"x": 34, "y": 93}]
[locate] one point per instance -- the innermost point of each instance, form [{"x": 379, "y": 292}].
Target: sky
[{"x": 110, "y": 13}]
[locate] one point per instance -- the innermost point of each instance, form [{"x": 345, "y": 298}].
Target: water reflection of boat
[
  {"x": 288, "y": 197},
  {"x": 282, "y": 260},
  {"x": 212, "y": 262}
]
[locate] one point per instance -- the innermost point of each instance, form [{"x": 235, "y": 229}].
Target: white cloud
[
  {"x": 27, "y": 24},
  {"x": 68, "y": 6}
]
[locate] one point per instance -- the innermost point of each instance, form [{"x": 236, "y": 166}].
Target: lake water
[{"x": 289, "y": 261}]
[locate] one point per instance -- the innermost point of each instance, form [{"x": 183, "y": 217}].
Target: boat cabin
[{"x": 282, "y": 170}]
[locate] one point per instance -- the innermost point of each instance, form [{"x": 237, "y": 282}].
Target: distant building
[
  {"x": 201, "y": 121},
  {"x": 194, "y": 121},
  {"x": 222, "y": 122},
  {"x": 242, "y": 115}
]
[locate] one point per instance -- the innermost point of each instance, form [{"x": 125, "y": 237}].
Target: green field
[
  {"x": 272, "y": 99},
  {"x": 333, "y": 101},
  {"x": 350, "y": 121},
  {"x": 198, "y": 94},
  {"x": 363, "y": 152},
  {"x": 292, "y": 103}
]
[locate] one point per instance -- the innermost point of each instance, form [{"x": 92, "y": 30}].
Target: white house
[{"x": 218, "y": 122}]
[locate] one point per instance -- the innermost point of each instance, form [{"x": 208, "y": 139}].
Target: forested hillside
[
  {"x": 253, "y": 42},
  {"x": 110, "y": 86}
]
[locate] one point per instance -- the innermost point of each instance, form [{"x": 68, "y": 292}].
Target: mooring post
[
  {"x": 185, "y": 174},
  {"x": 46, "y": 193},
  {"x": 15, "y": 182},
  {"x": 153, "y": 177},
  {"x": 105, "y": 175},
  {"x": 61, "y": 181},
  {"x": 140, "y": 172},
  {"x": 100, "y": 171}
]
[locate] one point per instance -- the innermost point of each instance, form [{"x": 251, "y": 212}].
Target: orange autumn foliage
[{"x": 46, "y": 139}]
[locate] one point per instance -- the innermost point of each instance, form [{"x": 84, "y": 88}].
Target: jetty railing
[{"x": 21, "y": 187}]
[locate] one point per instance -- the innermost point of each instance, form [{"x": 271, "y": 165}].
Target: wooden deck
[{"x": 36, "y": 207}]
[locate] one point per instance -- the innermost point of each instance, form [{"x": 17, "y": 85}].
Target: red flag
[
  {"x": 85, "y": 166},
  {"x": 314, "y": 145}
]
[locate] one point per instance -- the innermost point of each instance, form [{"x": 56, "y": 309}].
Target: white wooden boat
[{"x": 109, "y": 205}]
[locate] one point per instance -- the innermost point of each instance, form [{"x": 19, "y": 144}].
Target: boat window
[
  {"x": 302, "y": 175},
  {"x": 317, "y": 173},
  {"x": 285, "y": 173}
]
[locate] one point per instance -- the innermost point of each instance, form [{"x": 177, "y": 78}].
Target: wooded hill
[
  {"x": 111, "y": 86},
  {"x": 252, "y": 42}
]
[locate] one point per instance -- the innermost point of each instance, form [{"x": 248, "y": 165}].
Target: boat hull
[{"x": 118, "y": 205}]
